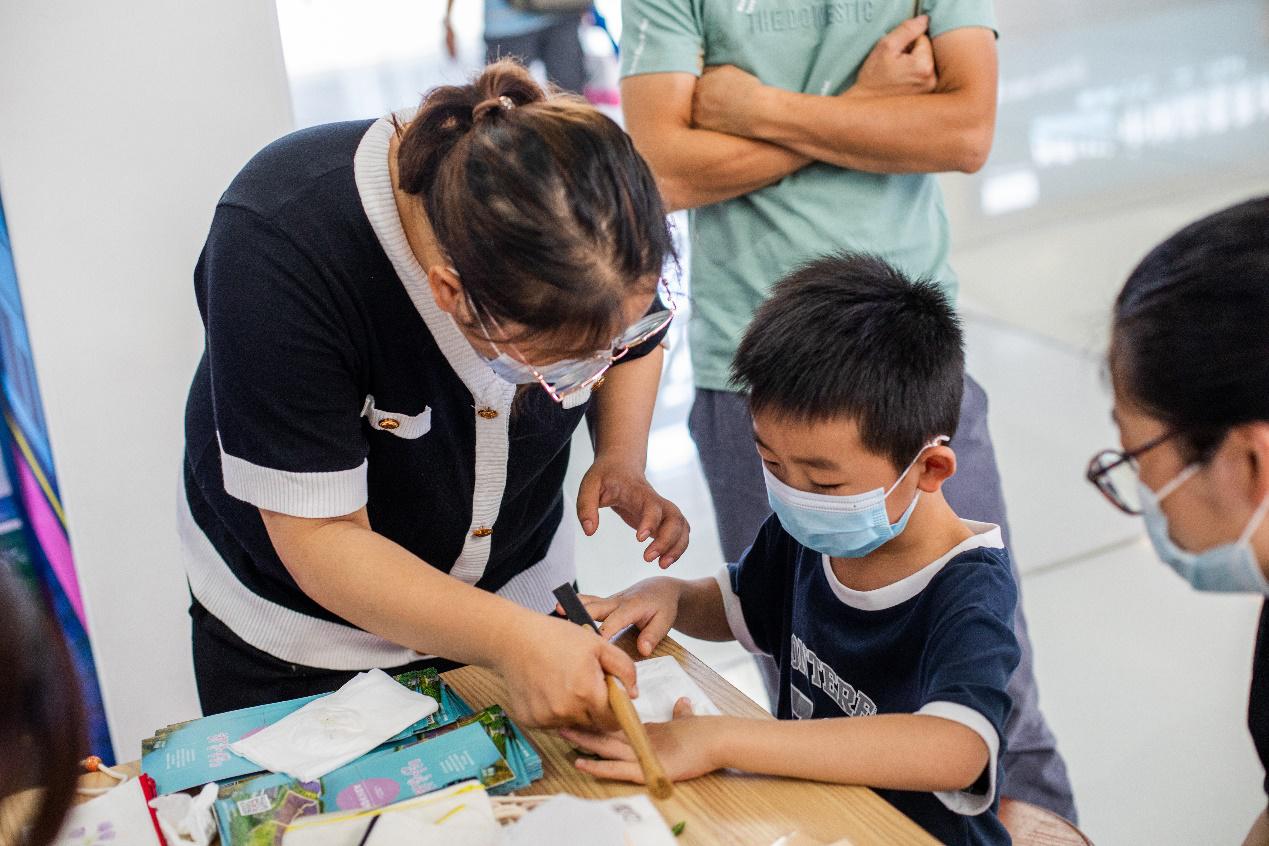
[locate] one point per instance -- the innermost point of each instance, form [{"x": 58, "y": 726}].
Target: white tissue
[
  {"x": 662, "y": 682},
  {"x": 331, "y": 731},
  {"x": 627, "y": 821},
  {"x": 187, "y": 819},
  {"x": 588, "y": 823},
  {"x": 460, "y": 815},
  {"x": 464, "y": 828}
]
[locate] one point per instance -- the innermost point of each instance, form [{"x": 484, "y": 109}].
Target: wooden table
[
  {"x": 721, "y": 808},
  {"x": 724, "y": 807}
]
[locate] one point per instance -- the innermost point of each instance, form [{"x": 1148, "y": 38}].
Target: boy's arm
[
  {"x": 948, "y": 129},
  {"x": 895, "y": 751},
  {"x": 693, "y": 166}
]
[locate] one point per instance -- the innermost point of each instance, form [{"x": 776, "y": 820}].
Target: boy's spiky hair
[{"x": 848, "y": 335}]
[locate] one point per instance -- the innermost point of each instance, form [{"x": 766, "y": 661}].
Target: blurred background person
[
  {"x": 42, "y": 736},
  {"x": 532, "y": 31}
]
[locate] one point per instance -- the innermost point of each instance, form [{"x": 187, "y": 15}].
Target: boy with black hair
[{"x": 876, "y": 601}]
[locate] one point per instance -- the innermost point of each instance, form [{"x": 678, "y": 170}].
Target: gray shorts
[
  {"x": 721, "y": 427},
  {"x": 557, "y": 47}
]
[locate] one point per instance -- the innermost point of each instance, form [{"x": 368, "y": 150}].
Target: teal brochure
[{"x": 194, "y": 753}]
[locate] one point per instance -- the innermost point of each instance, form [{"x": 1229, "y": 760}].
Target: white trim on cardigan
[
  {"x": 328, "y": 494},
  {"x": 374, "y": 184},
  {"x": 313, "y": 642}
]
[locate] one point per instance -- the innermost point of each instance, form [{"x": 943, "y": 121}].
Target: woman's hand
[
  {"x": 901, "y": 63},
  {"x": 685, "y": 746},
  {"x": 652, "y": 605},
  {"x": 555, "y": 675},
  {"x": 623, "y": 488}
]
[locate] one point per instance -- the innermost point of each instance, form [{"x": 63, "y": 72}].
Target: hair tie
[{"x": 484, "y": 107}]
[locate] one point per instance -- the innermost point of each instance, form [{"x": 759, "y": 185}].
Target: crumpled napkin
[
  {"x": 187, "y": 819},
  {"x": 332, "y": 731}
]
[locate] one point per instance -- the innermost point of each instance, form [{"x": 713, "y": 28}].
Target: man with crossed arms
[{"x": 793, "y": 128}]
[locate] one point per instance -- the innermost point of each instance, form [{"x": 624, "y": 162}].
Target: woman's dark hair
[
  {"x": 542, "y": 204},
  {"x": 42, "y": 735},
  {"x": 849, "y": 335},
  {"x": 1190, "y": 341}
]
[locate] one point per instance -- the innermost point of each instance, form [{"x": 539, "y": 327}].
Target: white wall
[{"x": 120, "y": 125}]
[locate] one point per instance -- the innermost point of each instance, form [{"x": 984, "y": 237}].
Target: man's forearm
[
  {"x": 925, "y": 133},
  {"x": 894, "y": 751},
  {"x": 697, "y": 167}
]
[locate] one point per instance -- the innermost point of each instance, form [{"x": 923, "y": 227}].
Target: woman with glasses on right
[{"x": 1189, "y": 364}]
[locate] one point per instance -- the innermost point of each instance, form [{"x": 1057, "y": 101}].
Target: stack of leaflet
[
  {"x": 196, "y": 752},
  {"x": 451, "y": 745},
  {"x": 486, "y": 746}
]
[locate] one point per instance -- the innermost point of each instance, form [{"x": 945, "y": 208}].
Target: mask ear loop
[
  {"x": 939, "y": 441},
  {"x": 1177, "y": 481}
]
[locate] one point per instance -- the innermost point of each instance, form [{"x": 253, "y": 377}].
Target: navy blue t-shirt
[{"x": 939, "y": 642}]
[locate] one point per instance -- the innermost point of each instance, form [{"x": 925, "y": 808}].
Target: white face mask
[
  {"x": 1228, "y": 568},
  {"x": 518, "y": 373}
]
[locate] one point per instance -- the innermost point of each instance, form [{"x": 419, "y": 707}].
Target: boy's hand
[
  {"x": 902, "y": 62},
  {"x": 652, "y": 605},
  {"x": 684, "y": 746}
]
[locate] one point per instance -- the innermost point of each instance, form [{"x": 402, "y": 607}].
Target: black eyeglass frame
[{"x": 1103, "y": 463}]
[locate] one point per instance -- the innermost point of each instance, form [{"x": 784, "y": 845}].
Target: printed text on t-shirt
[{"x": 854, "y": 703}]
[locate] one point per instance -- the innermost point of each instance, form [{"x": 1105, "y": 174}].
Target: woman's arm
[
  {"x": 1259, "y": 834},
  {"x": 555, "y": 670},
  {"x": 623, "y": 409}
]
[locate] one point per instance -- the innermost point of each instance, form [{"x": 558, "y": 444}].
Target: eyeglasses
[
  {"x": 1114, "y": 473},
  {"x": 589, "y": 372}
]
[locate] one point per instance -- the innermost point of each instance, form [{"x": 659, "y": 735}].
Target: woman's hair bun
[
  {"x": 449, "y": 112},
  {"x": 493, "y": 105}
]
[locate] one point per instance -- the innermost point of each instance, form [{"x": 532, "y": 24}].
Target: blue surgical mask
[
  {"x": 840, "y": 526},
  {"x": 1228, "y": 568}
]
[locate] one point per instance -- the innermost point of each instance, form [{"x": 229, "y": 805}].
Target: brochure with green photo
[{"x": 256, "y": 811}]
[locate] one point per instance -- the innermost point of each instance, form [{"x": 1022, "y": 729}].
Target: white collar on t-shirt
[{"x": 986, "y": 536}]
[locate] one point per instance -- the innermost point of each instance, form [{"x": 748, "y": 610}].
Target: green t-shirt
[{"x": 741, "y": 246}]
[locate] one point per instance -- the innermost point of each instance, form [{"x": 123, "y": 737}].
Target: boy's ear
[{"x": 936, "y": 467}]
